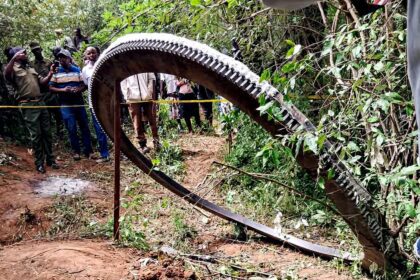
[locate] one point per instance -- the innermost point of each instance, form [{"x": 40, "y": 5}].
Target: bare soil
[
  {"x": 28, "y": 253},
  {"x": 73, "y": 259},
  {"x": 23, "y": 208}
]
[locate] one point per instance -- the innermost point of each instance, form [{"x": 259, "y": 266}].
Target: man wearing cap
[
  {"x": 42, "y": 67},
  {"x": 27, "y": 83},
  {"x": 68, "y": 84}
]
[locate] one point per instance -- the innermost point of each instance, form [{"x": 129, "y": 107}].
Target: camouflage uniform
[{"x": 37, "y": 120}]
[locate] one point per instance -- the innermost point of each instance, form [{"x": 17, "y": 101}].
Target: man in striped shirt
[{"x": 69, "y": 86}]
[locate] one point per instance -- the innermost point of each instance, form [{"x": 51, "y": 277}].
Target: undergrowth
[
  {"x": 256, "y": 152},
  {"x": 70, "y": 215}
]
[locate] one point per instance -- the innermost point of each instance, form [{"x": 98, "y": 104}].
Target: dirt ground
[
  {"x": 74, "y": 259},
  {"x": 27, "y": 252}
]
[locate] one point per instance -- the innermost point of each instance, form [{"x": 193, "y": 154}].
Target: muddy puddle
[{"x": 60, "y": 186}]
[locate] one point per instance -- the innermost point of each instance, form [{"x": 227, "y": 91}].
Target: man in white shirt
[{"x": 139, "y": 91}]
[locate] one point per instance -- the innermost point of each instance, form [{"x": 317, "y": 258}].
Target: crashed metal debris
[{"x": 166, "y": 53}]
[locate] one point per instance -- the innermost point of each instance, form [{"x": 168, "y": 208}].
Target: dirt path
[
  {"x": 199, "y": 152},
  {"x": 214, "y": 235}
]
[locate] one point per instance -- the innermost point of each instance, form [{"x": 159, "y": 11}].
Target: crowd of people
[{"x": 47, "y": 90}]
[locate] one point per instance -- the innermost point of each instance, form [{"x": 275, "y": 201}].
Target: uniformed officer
[
  {"x": 27, "y": 83},
  {"x": 42, "y": 67}
]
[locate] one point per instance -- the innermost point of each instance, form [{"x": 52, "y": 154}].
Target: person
[
  {"x": 12, "y": 119},
  {"x": 172, "y": 95},
  {"x": 139, "y": 91},
  {"x": 204, "y": 93},
  {"x": 188, "y": 110},
  {"x": 91, "y": 56},
  {"x": 3, "y": 95},
  {"x": 55, "y": 51},
  {"x": 78, "y": 39},
  {"x": 42, "y": 66},
  {"x": 27, "y": 82},
  {"x": 64, "y": 41},
  {"x": 68, "y": 84}
]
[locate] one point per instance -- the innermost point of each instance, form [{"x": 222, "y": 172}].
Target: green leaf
[
  {"x": 379, "y": 66},
  {"x": 410, "y": 170},
  {"x": 265, "y": 75},
  {"x": 394, "y": 97},
  {"x": 311, "y": 142},
  {"x": 289, "y": 67},
  {"x": 328, "y": 45},
  {"x": 289, "y": 42},
  {"x": 265, "y": 107},
  {"x": 321, "y": 140},
  {"x": 293, "y": 51},
  {"x": 321, "y": 183},
  {"x": 330, "y": 173},
  {"x": 357, "y": 51},
  {"x": 195, "y": 2},
  {"x": 373, "y": 119},
  {"x": 353, "y": 146}
]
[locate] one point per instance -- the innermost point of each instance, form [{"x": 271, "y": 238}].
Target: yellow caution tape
[
  {"x": 313, "y": 97},
  {"x": 134, "y": 102}
]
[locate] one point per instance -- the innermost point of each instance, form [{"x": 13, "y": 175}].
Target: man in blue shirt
[{"x": 69, "y": 86}]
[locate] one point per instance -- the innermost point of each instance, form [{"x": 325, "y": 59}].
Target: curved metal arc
[
  {"x": 226, "y": 76},
  {"x": 145, "y": 164}
]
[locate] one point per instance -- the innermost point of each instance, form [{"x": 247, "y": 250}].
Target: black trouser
[
  {"x": 188, "y": 110},
  {"x": 51, "y": 99},
  {"x": 207, "y": 106},
  {"x": 37, "y": 122},
  {"x": 1, "y": 127}
]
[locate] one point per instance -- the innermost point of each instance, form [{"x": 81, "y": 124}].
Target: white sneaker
[{"x": 103, "y": 160}]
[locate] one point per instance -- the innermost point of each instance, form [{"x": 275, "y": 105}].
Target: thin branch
[
  {"x": 396, "y": 232},
  {"x": 254, "y": 15},
  {"x": 324, "y": 18}
]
